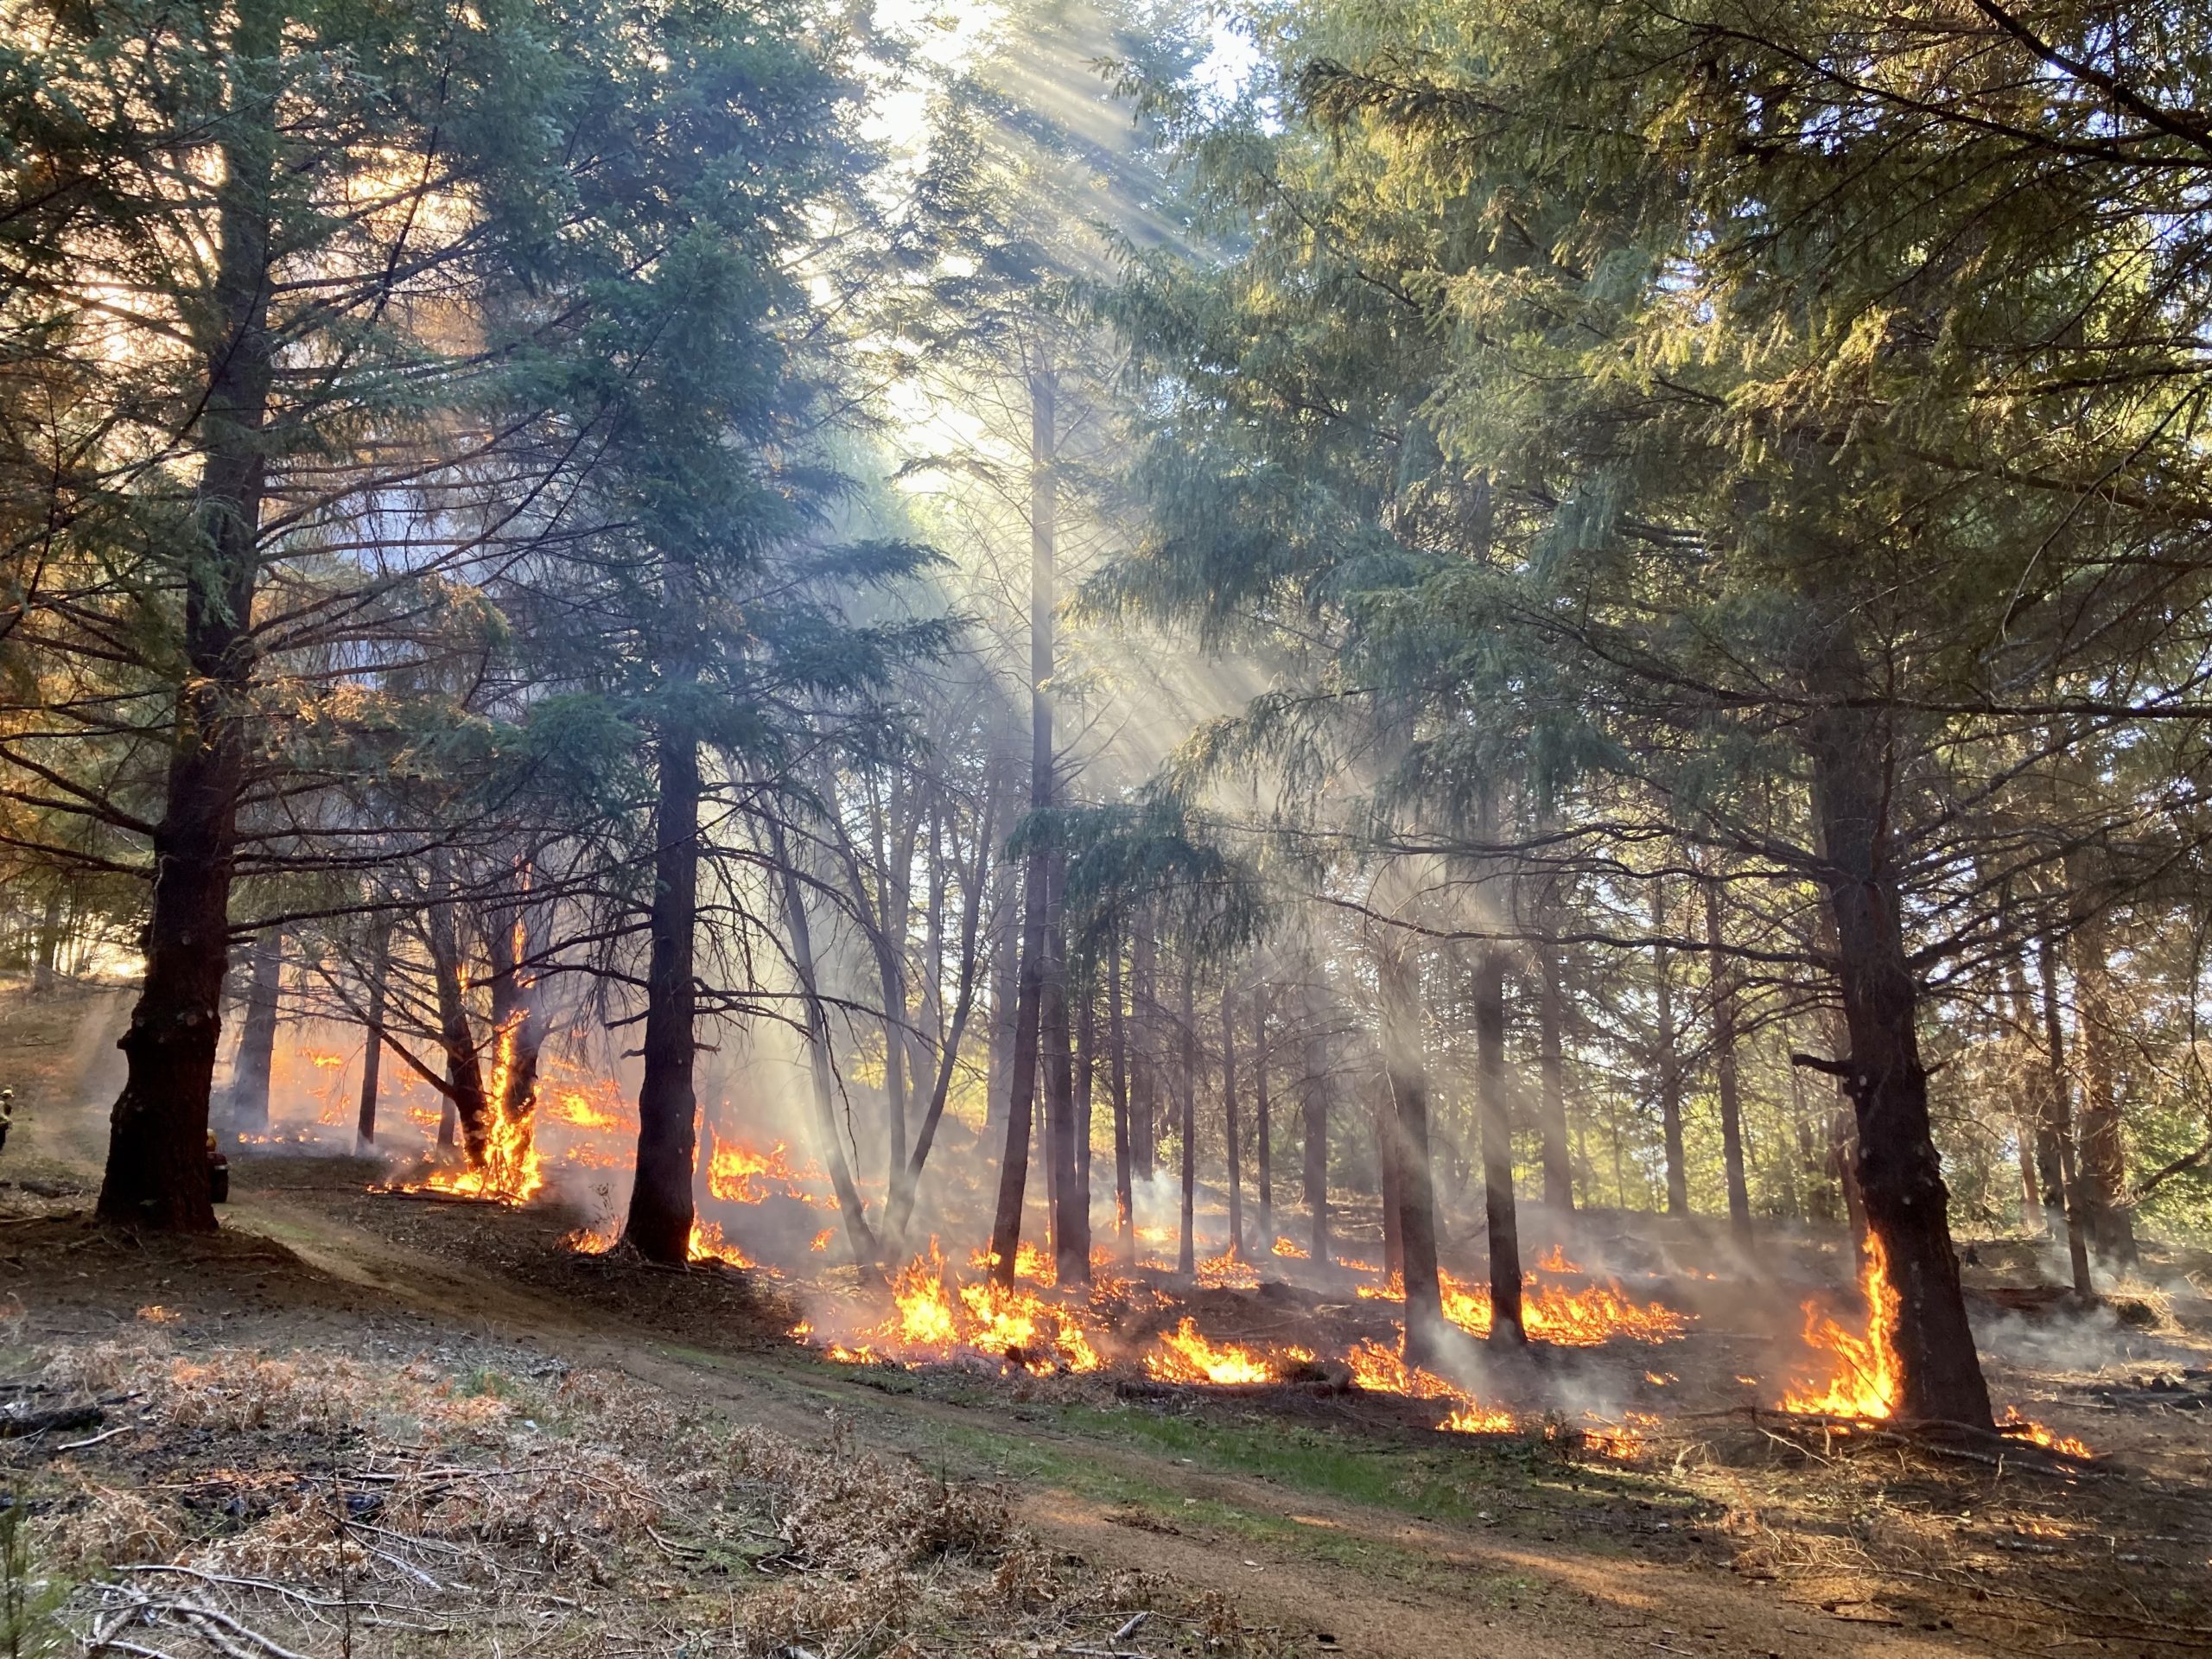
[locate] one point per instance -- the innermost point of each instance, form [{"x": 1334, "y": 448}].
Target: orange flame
[
  {"x": 708, "y": 1244},
  {"x": 1226, "y": 1272},
  {"x": 1568, "y": 1318},
  {"x": 511, "y": 1172},
  {"x": 1185, "y": 1355},
  {"x": 1029, "y": 1262},
  {"x": 933, "y": 1318},
  {"x": 1377, "y": 1370},
  {"x": 1862, "y": 1379},
  {"x": 1290, "y": 1249},
  {"x": 739, "y": 1174}
]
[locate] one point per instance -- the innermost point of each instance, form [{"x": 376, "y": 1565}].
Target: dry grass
[{"x": 330, "y": 1503}]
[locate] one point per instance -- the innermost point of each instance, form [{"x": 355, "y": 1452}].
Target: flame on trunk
[
  {"x": 511, "y": 1172},
  {"x": 1185, "y": 1355},
  {"x": 1862, "y": 1379}
]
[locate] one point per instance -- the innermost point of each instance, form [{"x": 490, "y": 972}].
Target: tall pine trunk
[
  {"x": 1145, "y": 1049},
  {"x": 465, "y": 1102},
  {"x": 661, "y": 1213},
  {"x": 1899, "y": 1174},
  {"x": 157, "y": 1174},
  {"x": 1186, "y": 1097},
  {"x": 2104, "y": 1156},
  {"x": 1508, "y": 1327},
  {"x": 1314, "y": 1113},
  {"x": 1229, "y": 1120},
  {"x": 860, "y": 1239},
  {"x": 1551, "y": 1063},
  {"x": 44, "y": 966},
  {"x": 1070, "y": 1212},
  {"x": 1722, "y": 976},
  {"x": 1262, "y": 1127},
  {"x": 2061, "y": 1124},
  {"x": 1035, "y": 989},
  {"x": 1406, "y": 1130},
  {"x": 1669, "y": 1076},
  {"x": 1117, "y": 1054},
  {"x": 364, "y": 1124},
  {"x": 248, "y": 1112}
]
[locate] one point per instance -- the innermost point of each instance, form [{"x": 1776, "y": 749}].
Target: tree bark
[
  {"x": 860, "y": 1239},
  {"x": 1186, "y": 1097},
  {"x": 256, "y": 1056},
  {"x": 1071, "y": 1218},
  {"x": 1405, "y": 1129},
  {"x": 1145, "y": 1049},
  {"x": 907, "y": 1182},
  {"x": 2104, "y": 1156},
  {"x": 1118, "y": 1062},
  {"x": 1900, "y": 1175},
  {"x": 1262, "y": 1127},
  {"x": 157, "y": 1174},
  {"x": 1670, "y": 1069},
  {"x": 1229, "y": 1119},
  {"x": 661, "y": 1211},
  {"x": 1722, "y": 975},
  {"x": 43, "y": 967},
  {"x": 1313, "y": 1111},
  {"x": 1508, "y": 1327},
  {"x": 2062, "y": 1124},
  {"x": 464, "y": 1065},
  {"x": 1551, "y": 1062},
  {"x": 365, "y": 1126}
]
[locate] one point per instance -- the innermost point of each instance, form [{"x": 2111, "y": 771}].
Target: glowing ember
[
  {"x": 593, "y": 1240},
  {"x": 1862, "y": 1379},
  {"x": 1479, "y": 1419},
  {"x": 1290, "y": 1249},
  {"x": 1622, "y": 1441},
  {"x": 1185, "y": 1355},
  {"x": 708, "y": 1244},
  {"x": 739, "y": 1174}
]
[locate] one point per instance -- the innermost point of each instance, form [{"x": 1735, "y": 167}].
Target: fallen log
[{"x": 18, "y": 1419}]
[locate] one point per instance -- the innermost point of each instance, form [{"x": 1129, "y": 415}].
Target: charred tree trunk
[
  {"x": 2104, "y": 1156},
  {"x": 1229, "y": 1120},
  {"x": 44, "y": 976},
  {"x": 2062, "y": 1124},
  {"x": 365, "y": 1126},
  {"x": 1070, "y": 1216},
  {"x": 1263, "y": 1128},
  {"x": 1117, "y": 1051},
  {"x": 906, "y": 1182},
  {"x": 157, "y": 1174},
  {"x": 1551, "y": 1063},
  {"x": 517, "y": 1029},
  {"x": 1670, "y": 1064},
  {"x": 661, "y": 1213},
  {"x": 1085, "y": 987},
  {"x": 1723, "y": 977},
  {"x": 1507, "y": 1324},
  {"x": 1145, "y": 1049},
  {"x": 464, "y": 1065},
  {"x": 1398, "y": 973},
  {"x": 860, "y": 1238},
  {"x": 257, "y": 1055},
  {"x": 1186, "y": 1097},
  {"x": 1313, "y": 1112},
  {"x": 1381, "y": 1107},
  {"x": 1037, "y": 925},
  {"x": 2039, "y": 1121},
  {"x": 1007, "y": 913},
  {"x": 1900, "y": 1175}
]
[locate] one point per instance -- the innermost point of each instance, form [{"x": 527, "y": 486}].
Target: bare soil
[{"x": 1300, "y": 1518}]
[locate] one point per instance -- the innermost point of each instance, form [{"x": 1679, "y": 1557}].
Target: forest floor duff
[{"x": 322, "y": 1368}]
